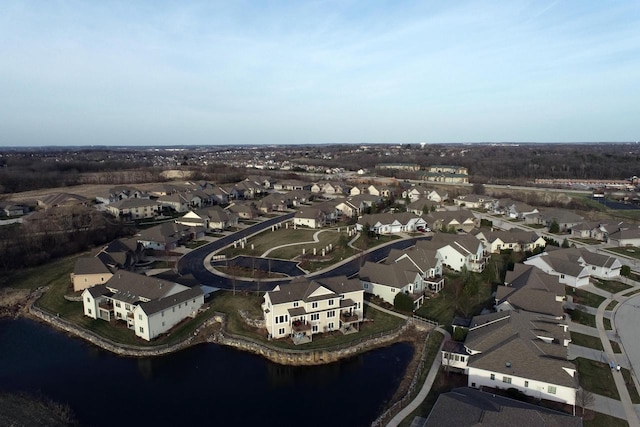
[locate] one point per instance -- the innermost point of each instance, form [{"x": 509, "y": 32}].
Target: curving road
[{"x": 194, "y": 262}]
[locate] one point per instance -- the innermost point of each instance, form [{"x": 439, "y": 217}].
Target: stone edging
[{"x": 281, "y": 356}]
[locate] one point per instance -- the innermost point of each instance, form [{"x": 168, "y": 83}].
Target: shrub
[{"x": 403, "y": 302}]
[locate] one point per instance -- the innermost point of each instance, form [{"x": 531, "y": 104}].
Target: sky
[{"x": 318, "y": 72}]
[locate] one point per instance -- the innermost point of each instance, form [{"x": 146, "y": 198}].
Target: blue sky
[{"x": 269, "y": 72}]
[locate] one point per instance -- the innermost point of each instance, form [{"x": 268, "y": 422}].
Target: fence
[
  {"x": 425, "y": 320},
  {"x": 387, "y": 415}
]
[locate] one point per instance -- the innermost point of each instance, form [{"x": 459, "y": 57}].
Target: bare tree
[{"x": 584, "y": 398}]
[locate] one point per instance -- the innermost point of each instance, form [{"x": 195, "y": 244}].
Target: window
[
  {"x": 393, "y": 290},
  {"x": 330, "y": 326},
  {"x": 331, "y": 313},
  {"x": 163, "y": 324},
  {"x": 89, "y": 310},
  {"x": 526, "y": 383},
  {"x": 562, "y": 276},
  {"x": 493, "y": 377},
  {"x": 282, "y": 319},
  {"x": 315, "y": 316},
  {"x": 88, "y": 299},
  {"x": 117, "y": 304},
  {"x": 551, "y": 389},
  {"x": 593, "y": 267},
  {"x": 139, "y": 316},
  {"x": 119, "y": 315},
  {"x": 174, "y": 309},
  {"x": 295, "y": 304},
  {"x": 127, "y": 307},
  {"x": 162, "y": 313},
  {"x": 330, "y": 302},
  {"x": 85, "y": 280},
  {"x": 315, "y": 328},
  {"x": 314, "y": 305},
  {"x": 281, "y": 331},
  {"x": 141, "y": 330},
  {"x": 506, "y": 380}
]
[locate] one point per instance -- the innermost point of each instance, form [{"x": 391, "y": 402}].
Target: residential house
[
  {"x": 438, "y": 196},
  {"x": 562, "y": 264},
  {"x": 276, "y": 202},
  {"x": 565, "y": 219},
  {"x": 416, "y": 192},
  {"x": 460, "y": 220},
  {"x": 169, "y": 235},
  {"x": 179, "y": 202},
  {"x": 13, "y": 209},
  {"x": 290, "y": 185},
  {"x": 420, "y": 206},
  {"x": 518, "y": 350},
  {"x": 513, "y": 240},
  {"x": 526, "y": 287},
  {"x": 303, "y": 308},
  {"x": 388, "y": 280},
  {"x": 512, "y": 208},
  {"x": 121, "y": 192},
  {"x": 57, "y": 200},
  {"x": 244, "y": 210},
  {"x": 392, "y": 223},
  {"x": 347, "y": 208},
  {"x": 89, "y": 271},
  {"x": 423, "y": 257},
  {"x": 474, "y": 201},
  {"x": 214, "y": 218},
  {"x": 468, "y": 407},
  {"x": 150, "y": 306},
  {"x": 626, "y": 235},
  {"x": 311, "y": 217},
  {"x": 460, "y": 251},
  {"x": 130, "y": 209}
]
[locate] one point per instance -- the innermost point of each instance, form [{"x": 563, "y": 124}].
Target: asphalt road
[{"x": 193, "y": 262}]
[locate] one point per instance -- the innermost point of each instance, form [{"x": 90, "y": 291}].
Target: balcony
[
  {"x": 350, "y": 317},
  {"x": 300, "y": 326}
]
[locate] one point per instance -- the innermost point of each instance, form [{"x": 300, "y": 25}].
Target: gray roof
[
  {"x": 90, "y": 265},
  {"x": 154, "y": 306},
  {"x": 512, "y": 345},
  {"x": 131, "y": 287},
  {"x": 300, "y": 289},
  {"x": 167, "y": 232},
  {"x": 133, "y": 203},
  {"x": 467, "y": 407},
  {"x": 529, "y": 288},
  {"x": 397, "y": 275}
]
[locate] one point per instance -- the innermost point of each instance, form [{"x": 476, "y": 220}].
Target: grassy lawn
[
  {"x": 580, "y": 296},
  {"x": 602, "y": 420},
  {"x": 633, "y": 392},
  {"x": 269, "y": 239},
  {"x": 226, "y": 302},
  {"x": 628, "y": 294},
  {"x": 583, "y": 318},
  {"x": 615, "y": 347},
  {"x": 607, "y": 324},
  {"x": 325, "y": 238},
  {"x": 446, "y": 304},
  {"x": 596, "y": 377},
  {"x": 630, "y": 251},
  {"x": 57, "y": 271},
  {"x": 611, "y": 286},
  {"x": 586, "y": 341},
  {"x": 611, "y": 305},
  {"x": 195, "y": 244},
  {"x": 365, "y": 242}
]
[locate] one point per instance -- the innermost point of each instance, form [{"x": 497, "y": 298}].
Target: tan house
[
  {"x": 303, "y": 308},
  {"x": 88, "y": 272}
]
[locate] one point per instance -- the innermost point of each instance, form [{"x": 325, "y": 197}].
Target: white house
[
  {"x": 458, "y": 251},
  {"x": 148, "y": 305},
  {"x": 392, "y": 223},
  {"x": 528, "y": 288},
  {"x": 514, "y": 240},
  {"x": 568, "y": 265},
  {"x": 423, "y": 256},
  {"x": 134, "y": 208},
  {"x": 521, "y": 350},
  {"x": 304, "y": 307},
  {"x": 310, "y": 217},
  {"x": 388, "y": 280}
]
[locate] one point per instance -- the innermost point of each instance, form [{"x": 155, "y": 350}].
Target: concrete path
[
  {"x": 426, "y": 387},
  {"x": 608, "y": 406},
  {"x": 583, "y": 329},
  {"x": 629, "y": 410},
  {"x": 315, "y": 240},
  {"x": 576, "y": 351}
]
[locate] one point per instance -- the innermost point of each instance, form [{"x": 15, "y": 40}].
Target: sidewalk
[
  {"x": 426, "y": 387},
  {"x": 583, "y": 329}
]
